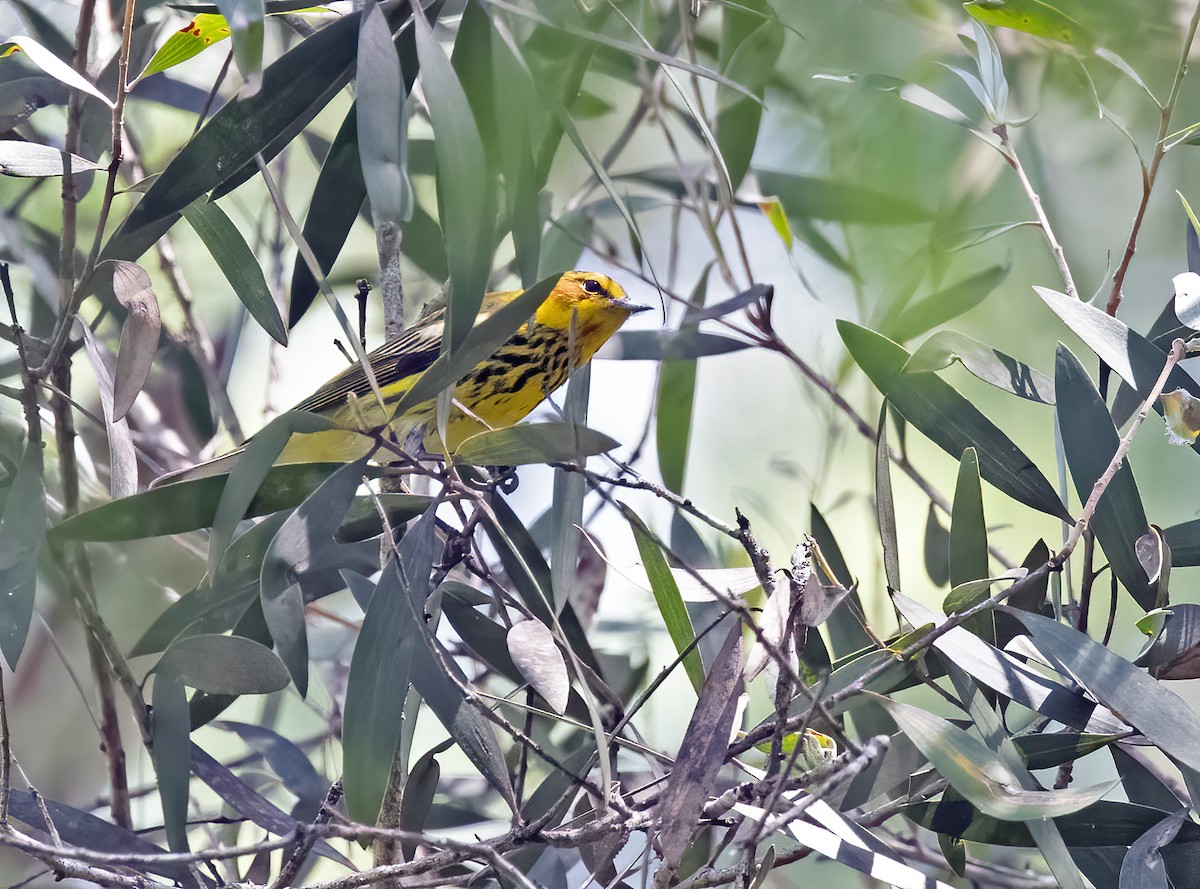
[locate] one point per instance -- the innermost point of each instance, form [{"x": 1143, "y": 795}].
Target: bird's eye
[{"x": 593, "y": 287}]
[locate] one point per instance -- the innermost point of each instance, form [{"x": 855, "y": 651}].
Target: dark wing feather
[{"x": 410, "y": 353}]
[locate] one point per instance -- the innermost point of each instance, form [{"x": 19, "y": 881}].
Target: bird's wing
[{"x": 405, "y": 357}]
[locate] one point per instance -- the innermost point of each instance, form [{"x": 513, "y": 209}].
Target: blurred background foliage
[{"x": 747, "y": 161}]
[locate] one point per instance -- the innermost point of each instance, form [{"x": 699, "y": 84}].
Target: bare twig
[
  {"x": 1150, "y": 176},
  {"x": 1060, "y": 259}
]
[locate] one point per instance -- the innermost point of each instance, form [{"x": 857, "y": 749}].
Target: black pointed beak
[{"x": 634, "y": 308}]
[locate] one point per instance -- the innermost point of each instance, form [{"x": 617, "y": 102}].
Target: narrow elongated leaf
[
  {"x": 337, "y": 198},
  {"x": 139, "y": 334},
  {"x": 980, "y": 775},
  {"x": 229, "y": 665},
  {"x": 1133, "y": 357},
  {"x": 251, "y": 470},
  {"x": 1089, "y": 442},
  {"x": 122, "y": 457},
  {"x": 436, "y": 675},
  {"x": 238, "y": 264},
  {"x": 30, "y": 160},
  {"x": 937, "y": 549},
  {"x": 702, "y": 751},
  {"x": 171, "y": 754},
  {"x": 83, "y": 829},
  {"x": 245, "y": 19},
  {"x": 534, "y": 443},
  {"x": 1146, "y": 704},
  {"x": 673, "y": 420},
  {"x": 52, "y": 65},
  {"x": 950, "y": 420},
  {"x": 1035, "y": 17},
  {"x": 22, "y": 532},
  {"x": 666, "y": 595},
  {"x": 381, "y": 131},
  {"x": 301, "y": 542},
  {"x": 1106, "y": 823},
  {"x": 988, "y": 364},
  {"x": 531, "y": 646},
  {"x": 968, "y": 530},
  {"x": 203, "y": 31},
  {"x": 375, "y": 694},
  {"x": 1009, "y": 676},
  {"x": 811, "y": 197},
  {"x": 946, "y": 305},
  {"x": 465, "y": 187},
  {"x": 294, "y": 89},
  {"x": 749, "y": 48},
  {"x": 189, "y": 505},
  {"x": 664, "y": 345},
  {"x": 417, "y": 800},
  {"x": 566, "y": 505},
  {"x": 1143, "y": 866},
  {"x": 885, "y": 507}
]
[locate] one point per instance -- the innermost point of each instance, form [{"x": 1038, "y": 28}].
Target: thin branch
[
  {"x": 1010, "y": 154},
  {"x": 1150, "y": 176}
]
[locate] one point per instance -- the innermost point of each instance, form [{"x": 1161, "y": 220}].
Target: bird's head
[{"x": 596, "y": 302}]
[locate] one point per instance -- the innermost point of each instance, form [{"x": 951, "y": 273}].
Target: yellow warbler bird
[{"x": 582, "y": 311}]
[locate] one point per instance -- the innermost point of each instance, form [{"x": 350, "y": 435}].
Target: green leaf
[
  {"x": 810, "y": 197},
  {"x": 303, "y": 540},
  {"x": 673, "y": 420},
  {"x": 437, "y": 676},
  {"x": 749, "y": 50},
  {"x": 229, "y": 665},
  {"x": 666, "y": 595},
  {"x": 172, "y": 755},
  {"x": 1089, "y": 442},
  {"x": 1134, "y": 358},
  {"x": 375, "y": 694},
  {"x": 1184, "y": 540},
  {"x": 1048, "y": 751},
  {"x": 950, "y": 420},
  {"x": 22, "y": 533},
  {"x": 1146, "y": 704},
  {"x": 885, "y": 507},
  {"x": 990, "y": 365},
  {"x": 968, "y": 529},
  {"x": 382, "y": 134},
  {"x": 981, "y": 775},
  {"x": 534, "y": 443},
  {"x": 946, "y": 305},
  {"x": 28, "y": 159},
  {"x": 466, "y": 192},
  {"x": 52, "y": 65},
  {"x": 251, "y": 470},
  {"x": 238, "y": 264},
  {"x": 1035, "y": 17},
  {"x": 566, "y": 505},
  {"x": 189, "y": 505},
  {"x": 294, "y": 89},
  {"x": 937, "y": 549},
  {"x": 245, "y": 19},
  {"x": 417, "y": 801},
  {"x": 139, "y": 335},
  {"x": 337, "y": 198},
  {"x": 203, "y": 31},
  {"x": 666, "y": 345}
]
